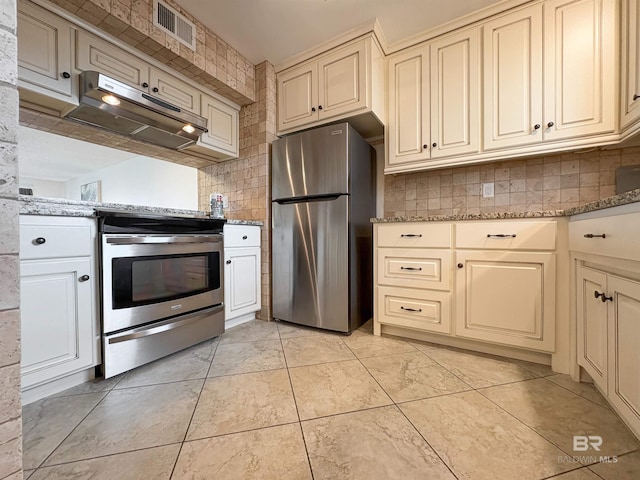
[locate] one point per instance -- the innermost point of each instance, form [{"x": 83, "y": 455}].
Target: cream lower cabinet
[
  {"x": 57, "y": 297},
  {"x": 241, "y": 273}
]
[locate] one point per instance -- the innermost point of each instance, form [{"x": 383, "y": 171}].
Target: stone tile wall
[
  {"x": 247, "y": 180},
  {"x": 214, "y": 63},
  {"x": 543, "y": 183},
  {"x": 10, "y": 405}
]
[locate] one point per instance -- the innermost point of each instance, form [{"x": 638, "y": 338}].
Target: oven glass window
[{"x": 145, "y": 280}]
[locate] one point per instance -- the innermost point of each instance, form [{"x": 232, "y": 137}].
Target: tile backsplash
[{"x": 551, "y": 182}]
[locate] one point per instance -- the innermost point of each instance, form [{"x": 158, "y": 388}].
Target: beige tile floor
[{"x": 277, "y": 401}]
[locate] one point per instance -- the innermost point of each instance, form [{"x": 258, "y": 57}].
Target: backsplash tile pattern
[
  {"x": 214, "y": 63},
  {"x": 10, "y": 406},
  {"x": 247, "y": 180},
  {"x": 542, "y": 183}
]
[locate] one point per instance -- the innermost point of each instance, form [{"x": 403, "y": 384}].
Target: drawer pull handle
[
  {"x": 84, "y": 278},
  {"x": 411, "y": 309},
  {"x": 501, "y": 235},
  {"x": 244, "y": 237},
  {"x": 591, "y": 235},
  {"x": 39, "y": 241},
  {"x": 411, "y": 235},
  {"x": 411, "y": 268}
]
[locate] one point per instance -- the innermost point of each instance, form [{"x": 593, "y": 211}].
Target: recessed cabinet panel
[
  {"x": 174, "y": 91},
  {"x": 414, "y": 268},
  {"x": 342, "y": 82},
  {"x": 418, "y": 309},
  {"x": 297, "y": 96},
  {"x": 222, "y": 125},
  {"x": 513, "y": 79}
]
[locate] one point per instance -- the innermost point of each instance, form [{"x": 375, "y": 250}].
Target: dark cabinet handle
[
  {"x": 155, "y": 90},
  {"x": 460, "y": 265},
  {"x": 425, "y": 146},
  {"x": 411, "y": 235},
  {"x": 635, "y": 97},
  {"x": 536, "y": 126},
  {"x": 434, "y": 144},
  {"x": 591, "y": 235},
  {"x": 411, "y": 309},
  {"x": 411, "y": 268},
  {"x": 228, "y": 262},
  {"x": 319, "y": 107},
  {"x": 597, "y": 294},
  {"x": 66, "y": 75},
  {"x": 602, "y": 296},
  {"x": 550, "y": 124},
  {"x": 501, "y": 235},
  {"x": 244, "y": 237},
  {"x": 313, "y": 109},
  {"x": 84, "y": 278},
  {"x": 39, "y": 241},
  {"x": 145, "y": 85}
]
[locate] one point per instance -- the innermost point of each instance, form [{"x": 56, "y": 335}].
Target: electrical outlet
[{"x": 487, "y": 190}]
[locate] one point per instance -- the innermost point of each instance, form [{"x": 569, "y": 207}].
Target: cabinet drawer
[
  {"x": 420, "y": 310},
  {"x": 241, "y": 236},
  {"x": 414, "y": 234},
  {"x": 621, "y": 236},
  {"x": 506, "y": 235},
  {"x": 63, "y": 237},
  {"x": 414, "y": 268}
]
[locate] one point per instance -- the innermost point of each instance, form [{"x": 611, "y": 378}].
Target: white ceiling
[
  {"x": 275, "y": 30},
  {"x": 45, "y": 156}
]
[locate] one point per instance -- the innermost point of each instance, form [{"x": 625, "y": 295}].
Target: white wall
[
  {"x": 43, "y": 188},
  {"x": 143, "y": 181}
]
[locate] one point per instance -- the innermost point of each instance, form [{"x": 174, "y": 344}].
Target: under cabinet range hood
[{"x": 116, "y": 106}]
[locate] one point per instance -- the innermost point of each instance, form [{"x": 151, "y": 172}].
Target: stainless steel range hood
[{"x": 116, "y": 106}]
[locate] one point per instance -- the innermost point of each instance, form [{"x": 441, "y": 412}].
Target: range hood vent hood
[{"x": 116, "y": 106}]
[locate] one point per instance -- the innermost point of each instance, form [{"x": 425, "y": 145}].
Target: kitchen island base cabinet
[{"x": 241, "y": 273}]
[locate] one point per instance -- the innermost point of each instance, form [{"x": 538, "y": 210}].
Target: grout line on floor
[{"x": 581, "y": 396}]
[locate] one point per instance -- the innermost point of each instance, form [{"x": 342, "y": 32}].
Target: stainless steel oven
[{"x": 162, "y": 286}]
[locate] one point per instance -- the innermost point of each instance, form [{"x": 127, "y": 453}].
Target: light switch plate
[{"x": 488, "y": 190}]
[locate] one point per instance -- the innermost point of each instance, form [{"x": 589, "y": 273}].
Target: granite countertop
[
  {"x": 614, "y": 201},
  {"x": 30, "y": 205}
]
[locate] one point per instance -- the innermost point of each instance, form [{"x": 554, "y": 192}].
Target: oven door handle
[
  {"x": 165, "y": 327},
  {"x": 162, "y": 240}
]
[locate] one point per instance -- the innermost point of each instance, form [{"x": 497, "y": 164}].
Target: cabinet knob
[
  {"x": 425, "y": 146},
  {"x": 434, "y": 144},
  {"x": 155, "y": 90},
  {"x": 66, "y": 75},
  {"x": 460, "y": 265},
  {"x": 313, "y": 109},
  {"x": 635, "y": 97},
  {"x": 319, "y": 107},
  {"x": 597, "y": 294},
  {"x": 550, "y": 124},
  {"x": 145, "y": 85},
  {"x": 536, "y": 126},
  {"x": 228, "y": 262},
  {"x": 604, "y": 298},
  {"x": 84, "y": 278},
  {"x": 39, "y": 241},
  {"x": 244, "y": 237}
]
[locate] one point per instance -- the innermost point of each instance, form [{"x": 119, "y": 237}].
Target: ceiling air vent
[{"x": 174, "y": 24}]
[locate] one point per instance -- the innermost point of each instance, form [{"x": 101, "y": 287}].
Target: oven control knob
[
  {"x": 84, "y": 278},
  {"x": 228, "y": 262}
]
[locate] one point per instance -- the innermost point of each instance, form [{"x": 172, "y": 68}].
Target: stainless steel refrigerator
[{"x": 323, "y": 192}]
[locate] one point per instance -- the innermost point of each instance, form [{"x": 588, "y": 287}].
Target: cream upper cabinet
[
  {"x": 176, "y": 92},
  {"x": 580, "y": 68},
  {"x": 434, "y": 100},
  {"x": 512, "y": 61},
  {"x": 343, "y": 82},
  {"x": 221, "y": 141},
  {"x": 93, "y": 53},
  {"x": 44, "y": 52},
  {"x": 630, "y": 74}
]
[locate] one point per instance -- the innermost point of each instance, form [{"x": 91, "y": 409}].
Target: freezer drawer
[{"x": 311, "y": 263}]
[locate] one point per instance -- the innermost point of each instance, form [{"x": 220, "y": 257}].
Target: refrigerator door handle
[{"x": 310, "y": 198}]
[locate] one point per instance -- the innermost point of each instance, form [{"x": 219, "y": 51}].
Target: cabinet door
[
  {"x": 222, "y": 125},
  {"x": 591, "y": 314},
  {"x": 298, "y": 96},
  {"x": 93, "y": 53},
  {"x": 507, "y": 298},
  {"x": 242, "y": 281},
  {"x": 455, "y": 97},
  {"x": 342, "y": 81},
  {"x": 512, "y": 89},
  {"x": 57, "y": 318},
  {"x": 44, "y": 50},
  {"x": 624, "y": 354},
  {"x": 630, "y": 74},
  {"x": 409, "y": 129},
  {"x": 580, "y": 68},
  {"x": 174, "y": 91}
]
